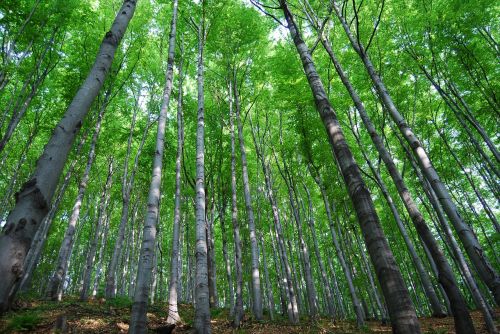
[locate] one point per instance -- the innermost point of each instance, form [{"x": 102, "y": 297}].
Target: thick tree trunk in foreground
[
  {"x": 460, "y": 311},
  {"x": 401, "y": 311},
  {"x": 33, "y": 200},
  {"x": 138, "y": 323},
  {"x": 173, "y": 293},
  {"x": 35, "y": 251},
  {"x": 487, "y": 273}
]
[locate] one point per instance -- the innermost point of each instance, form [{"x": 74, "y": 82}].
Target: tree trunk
[
  {"x": 173, "y": 313},
  {"x": 460, "y": 311},
  {"x": 293, "y": 311},
  {"x": 256, "y": 290},
  {"x": 238, "y": 311},
  {"x": 33, "y": 200},
  {"x": 138, "y": 323},
  {"x": 324, "y": 279},
  {"x": 401, "y": 311},
  {"x": 202, "y": 305},
  {"x": 103, "y": 205},
  {"x": 57, "y": 280},
  {"x": 450, "y": 240},
  {"x": 466, "y": 235}
]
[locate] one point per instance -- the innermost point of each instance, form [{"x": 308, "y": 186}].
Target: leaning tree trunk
[
  {"x": 202, "y": 306},
  {"x": 173, "y": 313},
  {"x": 33, "y": 200},
  {"x": 35, "y": 251},
  {"x": 446, "y": 276},
  {"x": 238, "y": 311},
  {"x": 487, "y": 273},
  {"x": 450, "y": 240},
  {"x": 56, "y": 281},
  {"x": 256, "y": 290},
  {"x": 401, "y": 311},
  {"x": 138, "y": 323}
]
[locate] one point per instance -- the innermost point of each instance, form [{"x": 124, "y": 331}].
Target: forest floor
[{"x": 112, "y": 316}]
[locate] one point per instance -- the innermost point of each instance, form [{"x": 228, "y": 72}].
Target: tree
[{"x": 33, "y": 200}]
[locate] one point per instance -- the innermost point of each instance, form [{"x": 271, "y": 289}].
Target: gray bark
[
  {"x": 324, "y": 278},
  {"x": 238, "y": 310},
  {"x": 127, "y": 186},
  {"x": 103, "y": 205},
  {"x": 462, "y": 317},
  {"x": 256, "y": 289},
  {"x": 102, "y": 247},
  {"x": 138, "y": 323},
  {"x": 486, "y": 272},
  {"x": 304, "y": 252},
  {"x": 33, "y": 200},
  {"x": 401, "y": 311},
  {"x": 293, "y": 311},
  {"x": 173, "y": 293},
  {"x": 35, "y": 251},
  {"x": 451, "y": 241},
  {"x": 202, "y": 302},
  {"x": 56, "y": 281}
]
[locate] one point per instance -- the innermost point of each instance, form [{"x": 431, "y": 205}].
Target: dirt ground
[{"x": 112, "y": 316}]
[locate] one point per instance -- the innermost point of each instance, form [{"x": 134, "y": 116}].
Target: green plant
[
  {"x": 120, "y": 302},
  {"x": 24, "y": 322}
]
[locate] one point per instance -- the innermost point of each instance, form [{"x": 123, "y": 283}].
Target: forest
[{"x": 249, "y": 166}]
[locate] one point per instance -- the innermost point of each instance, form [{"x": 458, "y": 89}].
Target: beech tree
[{"x": 244, "y": 209}]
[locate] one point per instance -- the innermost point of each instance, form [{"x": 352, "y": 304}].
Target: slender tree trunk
[
  {"x": 98, "y": 271},
  {"x": 35, "y": 251},
  {"x": 324, "y": 279},
  {"x": 127, "y": 186},
  {"x": 212, "y": 270},
  {"x": 202, "y": 302},
  {"x": 24, "y": 101},
  {"x": 238, "y": 311},
  {"x": 227, "y": 260},
  {"x": 485, "y": 205},
  {"x": 33, "y": 200},
  {"x": 256, "y": 290},
  {"x": 138, "y": 323},
  {"x": 340, "y": 253},
  {"x": 401, "y": 311},
  {"x": 310, "y": 290},
  {"x": 103, "y": 205},
  {"x": 173, "y": 313},
  {"x": 465, "y": 233},
  {"x": 293, "y": 311},
  {"x": 269, "y": 287}
]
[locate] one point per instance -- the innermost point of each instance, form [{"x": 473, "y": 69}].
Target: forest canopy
[{"x": 284, "y": 160}]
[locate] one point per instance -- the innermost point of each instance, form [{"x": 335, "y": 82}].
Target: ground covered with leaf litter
[{"x": 112, "y": 316}]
